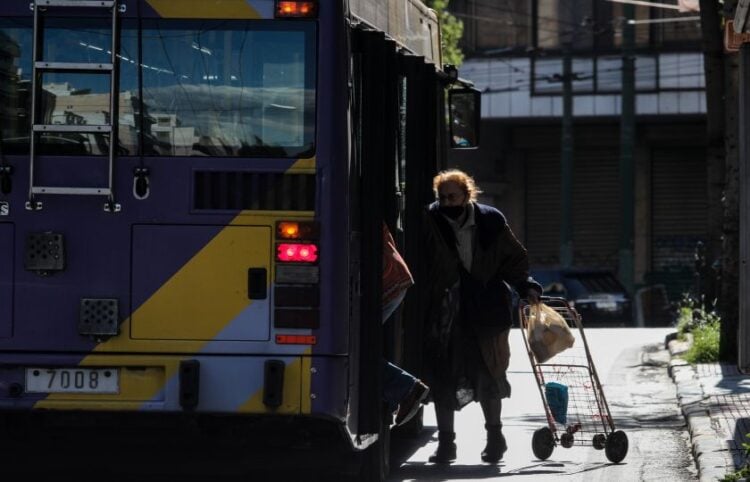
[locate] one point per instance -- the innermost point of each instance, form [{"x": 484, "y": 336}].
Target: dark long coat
[{"x": 499, "y": 261}]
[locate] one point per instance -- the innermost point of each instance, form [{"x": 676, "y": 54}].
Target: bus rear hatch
[{"x": 221, "y": 294}]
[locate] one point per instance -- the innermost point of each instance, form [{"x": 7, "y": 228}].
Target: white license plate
[
  {"x": 606, "y": 305},
  {"x": 72, "y": 380}
]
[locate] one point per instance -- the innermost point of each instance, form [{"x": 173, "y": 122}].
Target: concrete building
[{"x": 514, "y": 54}]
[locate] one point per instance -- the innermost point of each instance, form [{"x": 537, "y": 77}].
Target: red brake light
[
  {"x": 296, "y": 9},
  {"x": 296, "y": 253}
]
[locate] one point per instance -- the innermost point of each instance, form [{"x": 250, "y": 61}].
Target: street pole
[
  {"x": 744, "y": 207},
  {"x": 627, "y": 138},
  {"x": 566, "y": 161}
]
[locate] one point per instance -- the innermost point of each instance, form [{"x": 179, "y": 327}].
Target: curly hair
[{"x": 465, "y": 182}]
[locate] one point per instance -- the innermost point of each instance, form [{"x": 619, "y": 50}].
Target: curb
[{"x": 710, "y": 456}]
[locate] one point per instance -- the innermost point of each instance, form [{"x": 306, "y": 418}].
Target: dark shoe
[
  {"x": 409, "y": 406},
  {"x": 496, "y": 445},
  {"x": 446, "y": 450}
]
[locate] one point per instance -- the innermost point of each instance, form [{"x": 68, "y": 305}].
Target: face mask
[{"x": 453, "y": 212}]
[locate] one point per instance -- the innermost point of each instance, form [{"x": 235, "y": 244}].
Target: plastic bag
[
  {"x": 464, "y": 393},
  {"x": 547, "y": 332},
  {"x": 557, "y": 400}
]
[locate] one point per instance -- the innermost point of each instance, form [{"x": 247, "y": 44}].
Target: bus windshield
[{"x": 233, "y": 88}]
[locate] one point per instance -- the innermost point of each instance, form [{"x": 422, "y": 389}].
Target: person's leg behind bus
[{"x": 401, "y": 389}]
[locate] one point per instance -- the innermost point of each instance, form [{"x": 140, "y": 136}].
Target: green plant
[
  {"x": 743, "y": 471},
  {"x": 704, "y": 325},
  {"x": 705, "y": 347},
  {"x": 451, "y": 31},
  {"x": 692, "y": 314}
]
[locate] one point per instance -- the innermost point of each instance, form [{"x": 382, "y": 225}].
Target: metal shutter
[
  {"x": 679, "y": 215},
  {"x": 596, "y": 208},
  {"x": 596, "y": 214},
  {"x": 543, "y": 207}
]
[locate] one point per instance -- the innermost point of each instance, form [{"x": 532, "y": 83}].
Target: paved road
[{"x": 631, "y": 364}]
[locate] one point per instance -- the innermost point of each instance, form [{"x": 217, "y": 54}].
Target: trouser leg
[
  {"x": 444, "y": 417},
  {"x": 396, "y": 384},
  {"x": 491, "y": 409},
  {"x": 496, "y": 445}
]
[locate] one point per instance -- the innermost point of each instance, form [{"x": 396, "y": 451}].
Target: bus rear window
[
  {"x": 228, "y": 88},
  {"x": 191, "y": 88}
]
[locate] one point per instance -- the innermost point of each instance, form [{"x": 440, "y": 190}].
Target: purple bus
[{"x": 191, "y": 201}]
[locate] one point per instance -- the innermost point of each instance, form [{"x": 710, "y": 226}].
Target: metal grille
[
  {"x": 98, "y": 317},
  {"x": 45, "y": 252},
  {"x": 222, "y": 190}
]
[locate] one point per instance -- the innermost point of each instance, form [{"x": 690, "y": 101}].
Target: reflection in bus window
[
  {"x": 228, "y": 88},
  {"x": 67, "y": 98}
]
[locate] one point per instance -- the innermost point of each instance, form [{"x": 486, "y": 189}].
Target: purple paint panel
[
  {"x": 6, "y": 280},
  {"x": 84, "y": 171}
]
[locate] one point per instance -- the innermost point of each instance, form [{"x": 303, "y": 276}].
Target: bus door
[{"x": 395, "y": 153}]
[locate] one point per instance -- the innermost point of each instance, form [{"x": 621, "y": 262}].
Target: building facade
[{"x": 514, "y": 54}]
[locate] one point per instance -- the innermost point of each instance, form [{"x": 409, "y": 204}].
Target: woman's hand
[{"x": 533, "y": 296}]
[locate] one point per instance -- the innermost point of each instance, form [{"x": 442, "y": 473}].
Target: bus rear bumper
[{"x": 228, "y": 384}]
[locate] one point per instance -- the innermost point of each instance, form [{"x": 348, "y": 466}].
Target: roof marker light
[{"x": 296, "y": 9}]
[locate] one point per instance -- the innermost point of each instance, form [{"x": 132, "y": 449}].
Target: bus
[{"x": 191, "y": 203}]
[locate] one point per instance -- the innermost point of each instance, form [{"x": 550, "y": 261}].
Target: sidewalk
[{"x": 715, "y": 399}]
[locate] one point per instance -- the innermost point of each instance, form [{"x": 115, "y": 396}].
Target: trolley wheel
[
  {"x": 599, "y": 441},
  {"x": 566, "y": 440},
  {"x": 617, "y": 446},
  {"x": 543, "y": 443}
]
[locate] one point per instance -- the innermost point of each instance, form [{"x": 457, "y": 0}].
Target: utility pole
[
  {"x": 743, "y": 329},
  {"x": 627, "y": 138},
  {"x": 566, "y": 160}
]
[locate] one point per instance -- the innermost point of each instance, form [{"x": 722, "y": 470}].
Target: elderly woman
[{"x": 473, "y": 259}]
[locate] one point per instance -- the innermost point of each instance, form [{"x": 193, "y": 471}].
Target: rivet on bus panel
[
  {"x": 313, "y": 396},
  {"x": 313, "y": 370}
]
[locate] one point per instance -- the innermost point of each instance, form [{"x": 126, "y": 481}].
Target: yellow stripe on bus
[
  {"x": 209, "y": 291},
  {"x": 234, "y": 9},
  {"x": 303, "y": 165}
]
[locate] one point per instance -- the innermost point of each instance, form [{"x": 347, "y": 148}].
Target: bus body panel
[
  {"x": 219, "y": 9},
  {"x": 204, "y": 300},
  {"x": 7, "y": 237}
]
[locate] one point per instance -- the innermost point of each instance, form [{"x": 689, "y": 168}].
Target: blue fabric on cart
[{"x": 557, "y": 399}]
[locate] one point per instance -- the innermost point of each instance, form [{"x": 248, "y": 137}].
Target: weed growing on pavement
[
  {"x": 693, "y": 314},
  {"x": 705, "y": 347},
  {"x": 704, "y": 325}
]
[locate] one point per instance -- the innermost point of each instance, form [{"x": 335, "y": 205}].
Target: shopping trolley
[{"x": 576, "y": 409}]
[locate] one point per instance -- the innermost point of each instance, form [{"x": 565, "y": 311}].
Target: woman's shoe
[
  {"x": 496, "y": 445},
  {"x": 446, "y": 449}
]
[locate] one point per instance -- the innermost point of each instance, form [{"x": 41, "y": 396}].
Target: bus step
[
  {"x": 76, "y": 3},
  {"x": 73, "y": 67},
  {"x": 104, "y": 129}
]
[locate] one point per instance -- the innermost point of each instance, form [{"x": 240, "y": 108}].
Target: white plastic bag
[{"x": 547, "y": 332}]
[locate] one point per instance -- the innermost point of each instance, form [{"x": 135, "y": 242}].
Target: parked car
[{"x": 595, "y": 293}]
